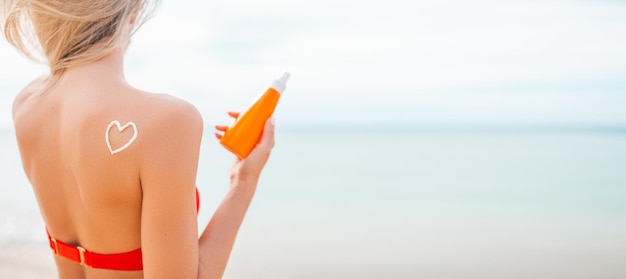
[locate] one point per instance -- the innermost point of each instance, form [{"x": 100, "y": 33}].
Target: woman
[{"x": 113, "y": 168}]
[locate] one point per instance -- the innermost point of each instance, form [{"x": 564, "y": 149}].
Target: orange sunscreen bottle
[{"x": 241, "y": 137}]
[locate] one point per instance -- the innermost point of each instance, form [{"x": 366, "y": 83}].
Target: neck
[{"x": 109, "y": 68}]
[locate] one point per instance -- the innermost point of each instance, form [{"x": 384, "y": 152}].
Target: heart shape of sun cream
[{"x": 120, "y": 129}]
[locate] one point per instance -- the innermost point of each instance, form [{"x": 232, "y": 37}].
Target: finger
[
  {"x": 233, "y": 114},
  {"x": 221, "y": 128},
  {"x": 218, "y": 136},
  {"x": 267, "y": 139}
]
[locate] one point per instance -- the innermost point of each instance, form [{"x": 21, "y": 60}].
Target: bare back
[{"x": 89, "y": 192}]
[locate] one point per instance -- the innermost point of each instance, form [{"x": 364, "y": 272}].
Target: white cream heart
[{"x": 120, "y": 129}]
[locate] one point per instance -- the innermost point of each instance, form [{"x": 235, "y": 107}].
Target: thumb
[{"x": 267, "y": 139}]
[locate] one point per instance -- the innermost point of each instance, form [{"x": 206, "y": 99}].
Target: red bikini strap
[
  {"x": 128, "y": 261},
  {"x": 197, "y": 201}
]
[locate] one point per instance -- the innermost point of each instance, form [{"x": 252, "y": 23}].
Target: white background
[{"x": 381, "y": 62}]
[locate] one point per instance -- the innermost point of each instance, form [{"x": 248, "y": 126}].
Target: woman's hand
[{"x": 249, "y": 169}]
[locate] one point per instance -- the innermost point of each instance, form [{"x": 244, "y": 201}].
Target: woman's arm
[
  {"x": 217, "y": 241},
  {"x": 170, "y": 146},
  {"x": 170, "y": 245}
]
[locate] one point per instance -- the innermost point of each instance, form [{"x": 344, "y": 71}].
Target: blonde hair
[{"x": 71, "y": 32}]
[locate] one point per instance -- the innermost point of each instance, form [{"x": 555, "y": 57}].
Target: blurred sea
[{"x": 405, "y": 203}]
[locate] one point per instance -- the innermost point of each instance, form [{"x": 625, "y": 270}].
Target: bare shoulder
[
  {"x": 166, "y": 112},
  {"x": 29, "y": 90},
  {"x": 167, "y": 124}
]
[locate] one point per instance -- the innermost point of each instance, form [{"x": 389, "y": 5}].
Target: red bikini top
[{"x": 128, "y": 261}]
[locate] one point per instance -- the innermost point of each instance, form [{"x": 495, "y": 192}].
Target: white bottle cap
[
  {"x": 280, "y": 84},
  {"x": 284, "y": 78}
]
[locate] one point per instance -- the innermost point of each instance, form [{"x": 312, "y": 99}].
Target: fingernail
[{"x": 272, "y": 121}]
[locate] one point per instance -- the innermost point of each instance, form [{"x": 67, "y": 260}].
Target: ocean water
[{"x": 406, "y": 204}]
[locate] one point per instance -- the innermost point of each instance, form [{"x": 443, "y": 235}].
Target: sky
[{"x": 393, "y": 62}]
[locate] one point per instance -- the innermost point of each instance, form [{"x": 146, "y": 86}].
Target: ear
[
  {"x": 133, "y": 17},
  {"x": 134, "y": 14}
]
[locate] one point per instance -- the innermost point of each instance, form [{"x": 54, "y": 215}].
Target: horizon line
[{"x": 444, "y": 127}]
